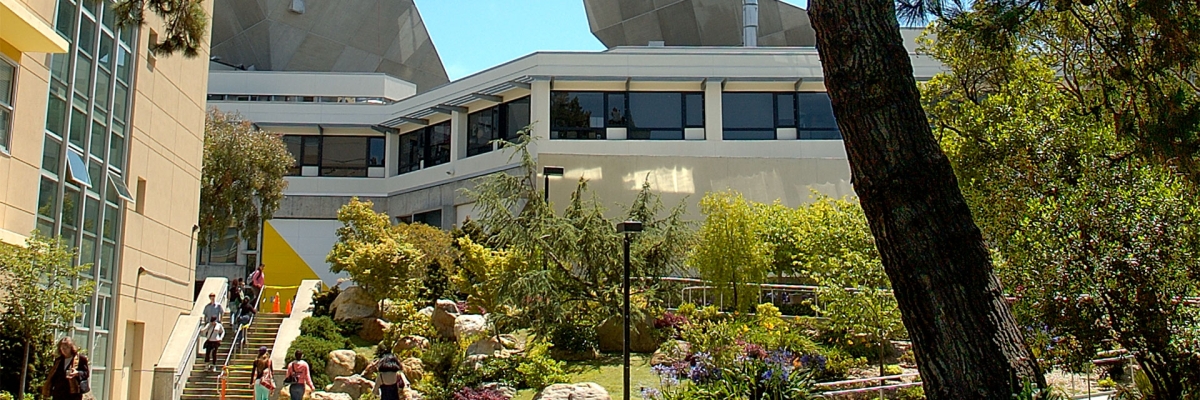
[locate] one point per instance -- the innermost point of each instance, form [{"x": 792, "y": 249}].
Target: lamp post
[
  {"x": 547, "y": 172},
  {"x": 626, "y": 228}
]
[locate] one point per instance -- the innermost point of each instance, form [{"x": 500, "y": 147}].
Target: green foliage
[
  {"x": 10, "y": 396},
  {"x": 1060, "y": 157},
  {"x": 575, "y": 339},
  {"x": 406, "y": 320},
  {"x": 243, "y": 177},
  {"x": 185, "y": 23},
  {"x": 729, "y": 252},
  {"x": 42, "y": 295},
  {"x": 323, "y": 328},
  {"x": 551, "y": 269},
  {"x": 324, "y": 299},
  {"x": 537, "y": 369},
  {"x": 376, "y": 255}
]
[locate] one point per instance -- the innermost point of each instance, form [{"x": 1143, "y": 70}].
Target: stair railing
[{"x": 239, "y": 338}]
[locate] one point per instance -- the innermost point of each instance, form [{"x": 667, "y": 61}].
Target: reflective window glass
[
  {"x": 694, "y": 110},
  {"x": 56, "y": 109},
  {"x": 47, "y": 197},
  {"x": 65, "y": 20},
  {"x": 116, "y": 147},
  {"x": 312, "y": 151},
  {"x": 577, "y": 115},
  {"x": 292, "y": 143},
  {"x": 97, "y": 143},
  {"x": 71, "y": 206},
  {"x": 616, "y": 113},
  {"x": 91, "y": 215},
  {"x": 482, "y": 128},
  {"x": 344, "y": 156},
  {"x": 101, "y": 96},
  {"x": 120, "y": 101},
  {"x": 108, "y": 256},
  {"x": 655, "y": 115},
  {"x": 376, "y": 151},
  {"x": 110, "y": 222},
  {"x": 87, "y": 35},
  {"x": 83, "y": 76},
  {"x": 748, "y": 116},
  {"x": 438, "y": 144},
  {"x": 517, "y": 118},
  {"x": 87, "y": 250},
  {"x": 51, "y": 155},
  {"x": 79, "y": 125},
  {"x": 816, "y": 117},
  {"x": 411, "y": 151},
  {"x": 785, "y": 110},
  {"x": 104, "y": 57}
]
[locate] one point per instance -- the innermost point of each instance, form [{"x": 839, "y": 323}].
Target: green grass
[{"x": 607, "y": 371}]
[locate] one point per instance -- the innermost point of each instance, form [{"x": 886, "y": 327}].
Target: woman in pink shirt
[{"x": 298, "y": 370}]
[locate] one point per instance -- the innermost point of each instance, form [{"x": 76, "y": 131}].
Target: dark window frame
[
  {"x": 558, "y": 132},
  {"x": 626, "y": 121},
  {"x": 502, "y": 125},
  {"x": 834, "y": 133},
  {"x": 802, "y": 133},
  {"x": 297, "y": 167},
  {"x": 425, "y": 146},
  {"x": 774, "y": 118}
]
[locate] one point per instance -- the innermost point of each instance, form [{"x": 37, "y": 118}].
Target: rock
[
  {"x": 427, "y": 311},
  {"x": 414, "y": 370},
  {"x": 341, "y": 363},
  {"x": 410, "y": 342},
  {"x": 611, "y": 335},
  {"x": 470, "y": 326},
  {"x": 486, "y": 346},
  {"x": 354, "y": 385},
  {"x": 411, "y": 394},
  {"x": 373, "y": 330},
  {"x": 681, "y": 350},
  {"x": 443, "y": 318},
  {"x": 512, "y": 342},
  {"x": 353, "y": 304},
  {"x": 578, "y": 391},
  {"x": 328, "y": 396}
]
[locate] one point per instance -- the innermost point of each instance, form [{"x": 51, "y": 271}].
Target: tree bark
[
  {"x": 966, "y": 342},
  {"x": 24, "y": 372}
]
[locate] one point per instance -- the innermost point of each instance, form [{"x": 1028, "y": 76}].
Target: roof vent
[{"x": 749, "y": 23}]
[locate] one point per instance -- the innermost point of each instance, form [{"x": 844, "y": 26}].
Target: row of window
[
  {"x": 298, "y": 99},
  {"x": 8, "y": 76},
  {"x": 646, "y": 115},
  {"x": 346, "y": 156},
  {"x": 666, "y": 115}
]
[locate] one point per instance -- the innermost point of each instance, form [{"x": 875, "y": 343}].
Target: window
[
  {"x": 501, "y": 122},
  {"x": 344, "y": 156},
  {"x": 8, "y": 75},
  {"x": 664, "y": 115},
  {"x": 431, "y": 218},
  {"x": 424, "y": 148},
  {"x": 748, "y": 116},
  {"x": 580, "y": 115},
  {"x": 815, "y": 119},
  {"x": 78, "y": 169}
]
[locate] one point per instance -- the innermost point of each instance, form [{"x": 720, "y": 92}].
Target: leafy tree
[
  {"x": 838, "y": 253},
  {"x": 1079, "y": 216},
  {"x": 43, "y": 294},
  {"x": 243, "y": 178},
  {"x": 579, "y": 282},
  {"x": 729, "y": 252},
  {"x": 375, "y": 254},
  {"x": 185, "y": 22},
  {"x": 965, "y": 338},
  {"x": 438, "y": 255}
]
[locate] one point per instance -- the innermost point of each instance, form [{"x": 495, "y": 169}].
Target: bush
[
  {"x": 537, "y": 369},
  {"x": 479, "y": 394},
  {"x": 322, "y": 328},
  {"x": 322, "y": 301},
  {"x": 316, "y": 353},
  {"x": 838, "y": 364},
  {"x": 575, "y": 339},
  {"x": 669, "y": 324},
  {"x": 686, "y": 309}
]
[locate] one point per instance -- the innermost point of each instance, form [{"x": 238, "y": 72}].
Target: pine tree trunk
[
  {"x": 24, "y": 372},
  {"x": 966, "y": 341}
]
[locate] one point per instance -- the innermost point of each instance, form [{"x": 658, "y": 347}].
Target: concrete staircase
[{"x": 205, "y": 385}]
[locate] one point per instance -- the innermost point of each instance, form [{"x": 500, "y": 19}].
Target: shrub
[
  {"x": 686, "y": 309},
  {"x": 575, "y": 339},
  {"x": 316, "y": 353},
  {"x": 322, "y": 301},
  {"x": 322, "y": 328},
  {"x": 766, "y": 311},
  {"x": 670, "y": 323},
  {"x": 467, "y": 393},
  {"x": 911, "y": 393},
  {"x": 348, "y": 328},
  {"x": 893, "y": 370},
  {"x": 537, "y": 369},
  {"x": 838, "y": 364}
]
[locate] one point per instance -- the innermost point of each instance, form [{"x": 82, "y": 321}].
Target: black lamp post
[{"x": 626, "y": 228}]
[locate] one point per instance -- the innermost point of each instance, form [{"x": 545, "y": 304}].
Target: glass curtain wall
[{"x": 86, "y": 125}]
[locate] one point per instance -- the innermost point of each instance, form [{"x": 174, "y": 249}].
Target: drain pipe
[{"x": 750, "y": 23}]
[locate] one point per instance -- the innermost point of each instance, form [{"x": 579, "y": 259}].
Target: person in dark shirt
[{"x": 70, "y": 367}]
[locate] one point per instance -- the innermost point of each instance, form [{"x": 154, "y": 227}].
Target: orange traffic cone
[
  {"x": 275, "y": 306},
  {"x": 289, "y": 307}
]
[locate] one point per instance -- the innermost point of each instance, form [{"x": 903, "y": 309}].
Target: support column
[
  {"x": 712, "y": 109},
  {"x": 539, "y": 108},
  {"x": 391, "y": 154}
]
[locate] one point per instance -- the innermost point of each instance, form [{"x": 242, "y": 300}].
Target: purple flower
[{"x": 650, "y": 393}]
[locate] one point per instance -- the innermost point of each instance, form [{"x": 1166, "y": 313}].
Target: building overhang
[{"x": 21, "y": 31}]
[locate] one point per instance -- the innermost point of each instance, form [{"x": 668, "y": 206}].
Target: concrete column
[
  {"x": 458, "y": 136},
  {"x": 391, "y": 155},
  {"x": 539, "y": 108},
  {"x": 712, "y": 110}
]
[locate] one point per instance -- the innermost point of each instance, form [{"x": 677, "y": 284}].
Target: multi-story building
[
  {"x": 100, "y": 144},
  {"x": 686, "y": 120}
]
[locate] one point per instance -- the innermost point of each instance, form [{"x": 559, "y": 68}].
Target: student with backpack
[
  {"x": 214, "y": 333},
  {"x": 298, "y": 377}
]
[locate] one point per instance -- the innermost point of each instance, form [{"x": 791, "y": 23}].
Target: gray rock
[
  {"x": 611, "y": 335},
  {"x": 354, "y": 304},
  {"x": 341, "y": 363},
  {"x": 410, "y": 342},
  {"x": 470, "y": 326},
  {"x": 374, "y": 329},
  {"x": 443, "y": 318},
  {"x": 354, "y": 385},
  {"x": 329, "y": 396},
  {"x": 577, "y": 391}
]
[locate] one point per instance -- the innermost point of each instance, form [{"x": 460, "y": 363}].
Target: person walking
[
  {"x": 214, "y": 333},
  {"x": 212, "y": 309},
  {"x": 390, "y": 381},
  {"x": 235, "y": 301},
  {"x": 257, "y": 280},
  {"x": 298, "y": 377},
  {"x": 263, "y": 379},
  {"x": 68, "y": 379}
]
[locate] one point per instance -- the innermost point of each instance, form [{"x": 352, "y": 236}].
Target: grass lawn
[{"x": 608, "y": 372}]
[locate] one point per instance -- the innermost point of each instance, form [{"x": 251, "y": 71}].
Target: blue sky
[{"x": 473, "y": 35}]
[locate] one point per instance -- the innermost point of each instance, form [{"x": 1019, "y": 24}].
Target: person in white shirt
[
  {"x": 212, "y": 309},
  {"x": 213, "y": 333}
]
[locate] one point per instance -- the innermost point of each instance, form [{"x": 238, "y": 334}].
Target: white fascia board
[{"x": 348, "y": 84}]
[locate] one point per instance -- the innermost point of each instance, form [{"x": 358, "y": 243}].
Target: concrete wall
[{"x": 290, "y": 83}]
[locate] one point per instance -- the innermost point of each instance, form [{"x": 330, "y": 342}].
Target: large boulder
[
  {"x": 341, "y": 363},
  {"x": 486, "y": 346},
  {"x": 611, "y": 335},
  {"x": 507, "y": 391},
  {"x": 577, "y": 391},
  {"x": 444, "y": 314},
  {"x": 354, "y": 304},
  {"x": 427, "y": 311},
  {"x": 354, "y": 385},
  {"x": 470, "y": 326},
  {"x": 410, "y": 342},
  {"x": 414, "y": 370},
  {"x": 373, "y": 330},
  {"x": 328, "y": 396}
]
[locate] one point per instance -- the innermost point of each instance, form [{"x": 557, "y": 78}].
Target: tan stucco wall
[{"x": 166, "y": 151}]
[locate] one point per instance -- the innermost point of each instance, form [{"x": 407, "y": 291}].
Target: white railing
[{"x": 179, "y": 354}]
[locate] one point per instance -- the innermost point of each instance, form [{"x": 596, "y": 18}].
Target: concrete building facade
[
  {"x": 686, "y": 120},
  {"x": 102, "y": 146}
]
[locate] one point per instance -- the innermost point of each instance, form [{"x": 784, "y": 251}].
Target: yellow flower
[
  {"x": 745, "y": 328},
  {"x": 769, "y": 326}
]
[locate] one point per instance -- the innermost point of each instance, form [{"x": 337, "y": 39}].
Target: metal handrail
[
  {"x": 191, "y": 349},
  {"x": 240, "y": 336}
]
